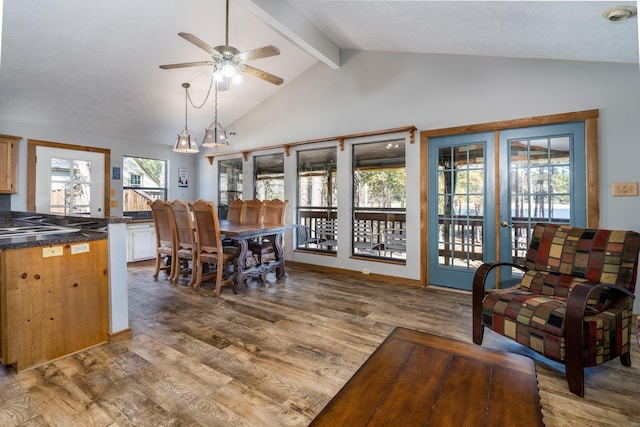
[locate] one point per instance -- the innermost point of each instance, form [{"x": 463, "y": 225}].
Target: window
[
  {"x": 379, "y": 200},
  {"x": 269, "y": 177},
  {"x": 317, "y": 200},
  {"x": 229, "y": 184},
  {"x": 135, "y": 180},
  {"x": 144, "y": 180}
]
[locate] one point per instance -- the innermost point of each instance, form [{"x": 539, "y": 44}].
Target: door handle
[{"x": 505, "y": 224}]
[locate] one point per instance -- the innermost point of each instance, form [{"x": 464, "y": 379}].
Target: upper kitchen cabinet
[{"x": 9, "y": 162}]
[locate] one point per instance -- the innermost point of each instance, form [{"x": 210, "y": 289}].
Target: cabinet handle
[
  {"x": 37, "y": 276},
  {"x": 24, "y": 275},
  {"x": 75, "y": 285}
]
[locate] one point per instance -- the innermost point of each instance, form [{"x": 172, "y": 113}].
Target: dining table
[{"x": 247, "y": 266}]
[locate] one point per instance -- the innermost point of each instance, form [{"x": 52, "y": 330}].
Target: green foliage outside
[{"x": 380, "y": 188}]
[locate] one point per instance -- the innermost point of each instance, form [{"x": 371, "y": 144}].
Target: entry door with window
[
  {"x": 69, "y": 182},
  {"x": 540, "y": 178}
]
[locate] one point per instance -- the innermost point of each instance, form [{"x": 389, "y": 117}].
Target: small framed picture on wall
[{"x": 183, "y": 177}]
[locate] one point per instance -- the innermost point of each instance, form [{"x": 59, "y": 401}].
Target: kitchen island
[{"x": 60, "y": 285}]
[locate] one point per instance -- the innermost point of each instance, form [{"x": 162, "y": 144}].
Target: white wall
[
  {"x": 118, "y": 147},
  {"x": 375, "y": 90}
]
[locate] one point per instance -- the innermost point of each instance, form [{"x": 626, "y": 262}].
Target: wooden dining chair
[
  {"x": 210, "y": 250},
  {"x": 274, "y": 213},
  {"x": 166, "y": 237},
  {"x": 236, "y": 211},
  {"x": 253, "y": 215},
  {"x": 253, "y": 212},
  {"x": 186, "y": 244},
  {"x": 235, "y": 215}
]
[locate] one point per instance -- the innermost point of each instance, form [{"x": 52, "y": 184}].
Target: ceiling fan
[{"x": 227, "y": 60}]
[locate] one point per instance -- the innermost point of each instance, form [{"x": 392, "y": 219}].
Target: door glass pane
[
  {"x": 229, "y": 184},
  {"x": 70, "y": 186},
  {"x": 81, "y": 199},
  {"x": 461, "y": 200},
  {"x": 60, "y": 178},
  {"x": 539, "y": 182}
]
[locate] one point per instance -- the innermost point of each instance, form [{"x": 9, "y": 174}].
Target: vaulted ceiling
[{"x": 93, "y": 66}]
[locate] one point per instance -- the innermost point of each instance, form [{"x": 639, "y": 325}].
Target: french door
[{"x": 487, "y": 191}]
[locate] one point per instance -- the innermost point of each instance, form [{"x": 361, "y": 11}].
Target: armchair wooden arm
[
  {"x": 479, "y": 281},
  {"x": 574, "y": 332}
]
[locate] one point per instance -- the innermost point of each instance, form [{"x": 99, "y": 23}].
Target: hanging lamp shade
[
  {"x": 215, "y": 136},
  {"x": 186, "y": 143}
]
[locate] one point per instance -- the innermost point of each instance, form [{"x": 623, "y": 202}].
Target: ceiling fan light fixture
[
  {"x": 620, "y": 13},
  {"x": 228, "y": 70}
]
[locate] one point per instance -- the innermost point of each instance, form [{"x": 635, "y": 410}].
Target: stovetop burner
[{"x": 7, "y": 232}]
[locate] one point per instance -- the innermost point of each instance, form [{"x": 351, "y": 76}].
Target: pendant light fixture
[
  {"x": 215, "y": 136},
  {"x": 186, "y": 143}
]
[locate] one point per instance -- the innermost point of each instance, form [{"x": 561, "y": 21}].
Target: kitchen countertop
[{"x": 87, "y": 228}]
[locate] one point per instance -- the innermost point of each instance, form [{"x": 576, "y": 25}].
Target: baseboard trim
[
  {"x": 356, "y": 274},
  {"x": 120, "y": 336}
]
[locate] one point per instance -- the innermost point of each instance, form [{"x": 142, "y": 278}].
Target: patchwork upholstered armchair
[{"x": 575, "y": 300}]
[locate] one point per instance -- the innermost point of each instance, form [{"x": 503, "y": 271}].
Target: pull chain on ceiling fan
[{"x": 228, "y": 60}]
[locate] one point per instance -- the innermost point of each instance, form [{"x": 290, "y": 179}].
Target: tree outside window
[
  {"x": 269, "y": 177},
  {"x": 379, "y": 199},
  {"x": 317, "y": 199}
]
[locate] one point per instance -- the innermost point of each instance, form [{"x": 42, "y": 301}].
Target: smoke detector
[{"x": 620, "y": 13}]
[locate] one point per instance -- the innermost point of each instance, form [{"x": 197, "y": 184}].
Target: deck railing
[{"x": 374, "y": 219}]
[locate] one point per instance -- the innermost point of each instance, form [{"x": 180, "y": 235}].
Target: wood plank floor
[{"x": 271, "y": 356}]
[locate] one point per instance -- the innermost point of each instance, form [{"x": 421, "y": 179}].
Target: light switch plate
[
  {"x": 79, "y": 248},
  {"x": 52, "y": 251},
  {"x": 625, "y": 189}
]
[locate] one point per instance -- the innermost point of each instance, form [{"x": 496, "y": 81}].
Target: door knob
[{"x": 505, "y": 224}]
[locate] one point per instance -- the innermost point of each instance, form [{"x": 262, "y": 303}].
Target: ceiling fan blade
[
  {"x": 186, "y": 64},
  {"x": 196, "y": 41},
  {"x": 261, "y": 52},
  {"x": 262, "y": 74}
]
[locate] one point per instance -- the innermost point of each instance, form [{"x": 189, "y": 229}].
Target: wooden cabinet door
[
  {"x": 31, "y": 312},
  {"x": 141, "y": 242},
  {"x": 85, "y": 296},
  {"x": 8, "y": 164}
]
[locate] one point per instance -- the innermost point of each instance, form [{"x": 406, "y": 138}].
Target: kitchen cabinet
[
  {"x": 54, "y": 301},
  {"x": 9, "y": 164},
  {"x": 141, "y": 241}
]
